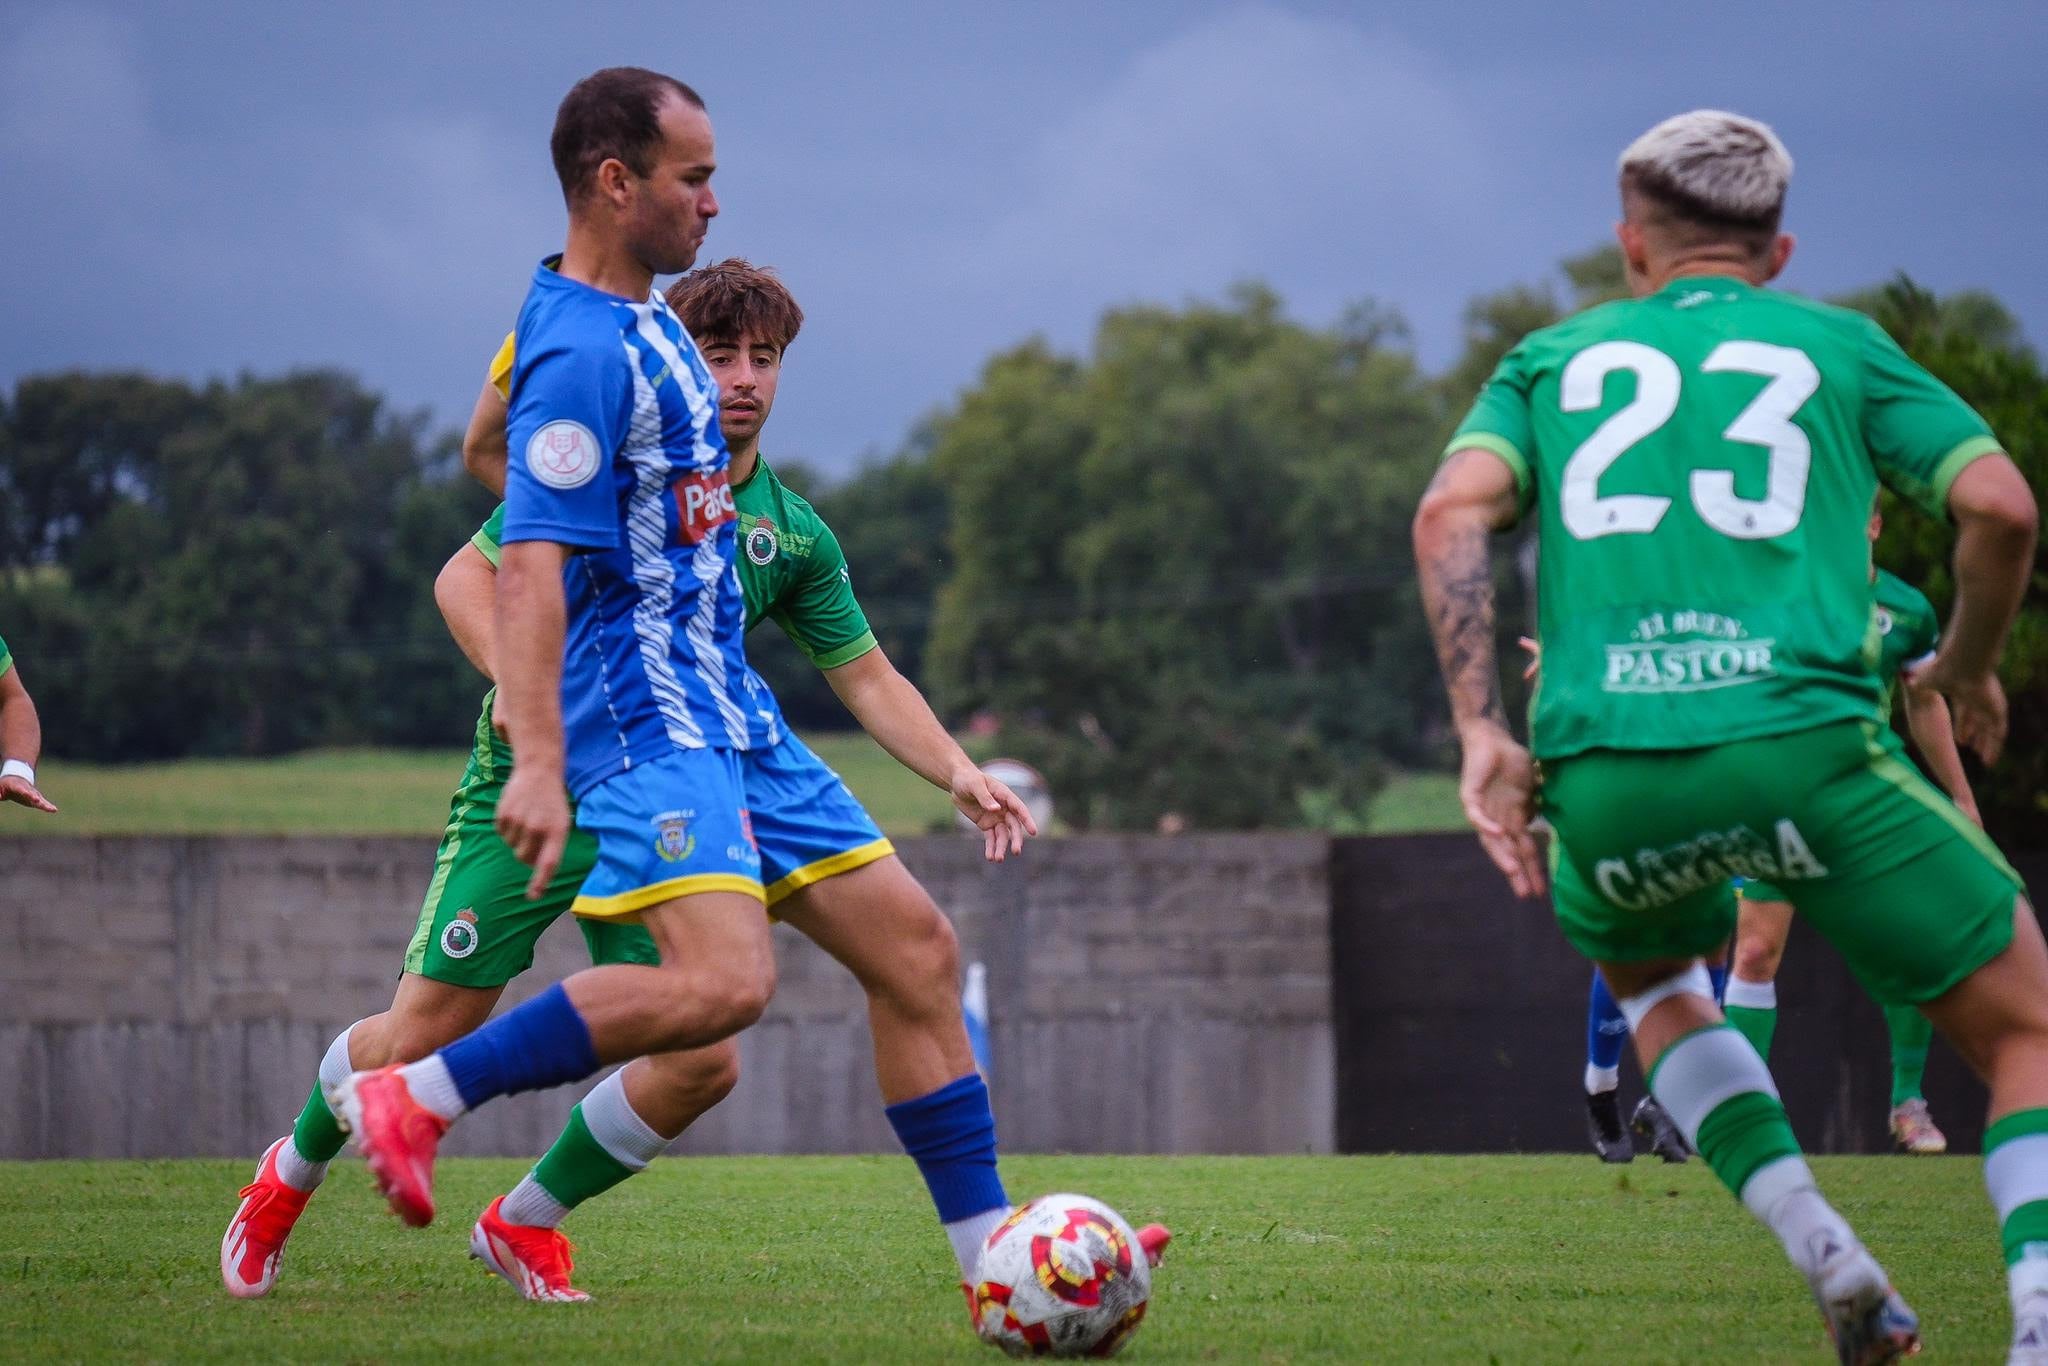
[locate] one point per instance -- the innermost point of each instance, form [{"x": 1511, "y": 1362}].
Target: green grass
[
  {"x": 1277, "y": 1260},
  {"x": 405, "y": 792}
]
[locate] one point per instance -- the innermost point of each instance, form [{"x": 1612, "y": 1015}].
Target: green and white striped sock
[{"x": 1721, "y": 1096}]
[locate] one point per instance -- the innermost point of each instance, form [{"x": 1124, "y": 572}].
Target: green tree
[
  {"x": 1975, "y": 346},
  {"x": 1182, "y": 585}
]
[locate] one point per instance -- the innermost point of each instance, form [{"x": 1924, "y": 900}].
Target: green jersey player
[
  {"x": 21, "y": 739},
  {"x": 1907, "y": 632},
  {"x": 1700, "y": 461}
]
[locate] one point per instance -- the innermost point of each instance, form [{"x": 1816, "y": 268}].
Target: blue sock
[
  {"x": 951, "y": 1135},
  {"x": 530, "y": 1047},
  {"x": 1606, "y": 1028}
]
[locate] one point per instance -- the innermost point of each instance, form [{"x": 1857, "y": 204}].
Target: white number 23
[{"x": 1766, "y": 421}]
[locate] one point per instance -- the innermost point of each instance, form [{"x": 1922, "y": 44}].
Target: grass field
[
  {"x": 391, "y": 791},
  {"x": 1277, "y": 1260}
]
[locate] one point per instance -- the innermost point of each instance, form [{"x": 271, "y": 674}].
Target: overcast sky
[{"x": 204, "y": 189}]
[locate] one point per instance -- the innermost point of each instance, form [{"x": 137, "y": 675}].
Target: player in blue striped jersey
[{"x": 619, "y": 659}]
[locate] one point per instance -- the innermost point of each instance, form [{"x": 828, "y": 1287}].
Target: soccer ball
[{"x": 1062, "y": 1276}]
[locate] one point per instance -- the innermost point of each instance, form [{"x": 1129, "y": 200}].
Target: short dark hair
[
  {"x": 615, "y": 112},
  {"x": 724, "y": 302}
]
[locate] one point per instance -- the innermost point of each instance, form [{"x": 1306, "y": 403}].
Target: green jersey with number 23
[{"x": 1701, "y": 465}]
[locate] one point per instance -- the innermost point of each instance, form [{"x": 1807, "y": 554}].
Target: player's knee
[
  {"x": 1756, "y": 962},
  {"x": 731, "y": 996},
  {"x": 702, "y": 1077},
  {"x": 923, "y": 963}
]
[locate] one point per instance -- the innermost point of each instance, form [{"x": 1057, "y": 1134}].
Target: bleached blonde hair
[{"x": 1712, "y": 169}]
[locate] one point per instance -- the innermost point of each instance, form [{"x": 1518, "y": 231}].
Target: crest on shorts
[
  {"x": 672, "y": 837},
  {"x": 762, "y": 541},
  {"x": 460, "y": 938}
]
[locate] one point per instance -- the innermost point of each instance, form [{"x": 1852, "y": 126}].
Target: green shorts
[
  {"x": 1872, "y": 854},
  {"x": 477, "y": 929}
]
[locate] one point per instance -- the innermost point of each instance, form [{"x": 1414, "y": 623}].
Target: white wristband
[{"x": 15, "y": 768}]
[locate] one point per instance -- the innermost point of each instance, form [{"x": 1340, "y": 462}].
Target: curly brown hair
[{"x": 733, "y": 299}]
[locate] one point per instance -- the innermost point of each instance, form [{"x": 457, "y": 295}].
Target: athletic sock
[
  {"x": 1721, "y": 1096},
  {"x": 538, "y": 1044},
  {"x": 316, "y": 1135},
  {"x": 2016, "y": 1173},
  {"x": 604, "y": 1142},
  {"x": 951, "y": 1135},
  {"x": 1606, "y": 1036},
  {"x": 1911, "y": 1033},
  {"x": 1752, "y": 1007}
]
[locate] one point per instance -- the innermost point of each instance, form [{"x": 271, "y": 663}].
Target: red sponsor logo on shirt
[{"x": 703, "y": 504}]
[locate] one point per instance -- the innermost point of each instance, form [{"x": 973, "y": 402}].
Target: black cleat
[
  {"x": 1605, "y": 1129},
  {"x": 1655, "y": 1131}
]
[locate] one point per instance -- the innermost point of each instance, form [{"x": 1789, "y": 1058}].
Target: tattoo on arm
[{"x": 1458, "y": 593}]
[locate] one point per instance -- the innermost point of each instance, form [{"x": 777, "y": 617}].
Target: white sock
[
  {"x": 529, "y": 1203},
  {"x": 2027, "y": 1276},
  {"x": 1750, "y": 995},
  {"x": 1601, "y": 1079},
  {"x": 1783, "y": 1195},
  {"x": 617, "y": 1127},
  {"x": 294, "y": 1168},
  {"x": 432, "y": 1086},
  {"x": 967, "y": 1236}
]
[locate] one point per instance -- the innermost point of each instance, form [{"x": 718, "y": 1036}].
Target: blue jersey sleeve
[{"x": 572, "y": 399}]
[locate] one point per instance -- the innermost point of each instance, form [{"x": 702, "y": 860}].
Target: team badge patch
[
  {"x": 1884, "y": 622},
  {"x": 672, "y": 837},
  {"x": 460, "y": 938},
  {"x": 563, "y": 455},
  {"x": 762, "y": 541}
]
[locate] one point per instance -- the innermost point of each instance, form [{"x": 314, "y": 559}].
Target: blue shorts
[
  {"x": 808, "y": 826},
  {"x": 674, "y": 826}
]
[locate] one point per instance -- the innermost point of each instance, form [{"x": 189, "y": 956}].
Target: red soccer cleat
[
  {"x": 536, "y": 1261},
  {"x": 1153, "y": 1238},
  {"x": 254, "y": 1242},
  {"x": 397, "y": 1137}
]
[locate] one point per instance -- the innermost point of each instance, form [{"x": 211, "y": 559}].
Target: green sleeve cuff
[
  {"x": 1500, "y": 446},
  {"x": 488, "y": 548},
  {"x": 847, "y": 653},
  {"x": 1952, "y": 465}
]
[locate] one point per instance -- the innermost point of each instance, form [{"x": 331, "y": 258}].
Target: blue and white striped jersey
[{"x": 615, "y": 452}]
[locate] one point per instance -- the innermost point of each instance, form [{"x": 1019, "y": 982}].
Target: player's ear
[
  {"x": 1781, "y": 252},
  {"x": 610, "y": 181},
  {"x": 1635, "y": 260}
]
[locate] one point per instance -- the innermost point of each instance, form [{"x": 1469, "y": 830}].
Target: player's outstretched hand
[
  {"x": 533, "y": 820},
  {"x": 997, "y": 812},
  {"x": 1497, "y": 787},
  {"x": 23, "y": 791},
  {"x": 1976, "y": 704}
]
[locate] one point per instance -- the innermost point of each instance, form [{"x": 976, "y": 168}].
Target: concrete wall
[{"x": 164, "y": 997}]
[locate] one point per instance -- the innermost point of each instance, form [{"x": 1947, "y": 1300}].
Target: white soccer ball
[{"x": 1062, "y": 1276}]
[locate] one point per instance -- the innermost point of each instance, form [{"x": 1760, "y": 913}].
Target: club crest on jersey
[
  {"x": 672, "y": 837},
  {"x": 1884, "y": 622},
  {"x": 460, "y": 938},
  {"x": 762, "y": 541},
  {"x": 703, "y": 504},
  {"x": 563, "y": 455}
]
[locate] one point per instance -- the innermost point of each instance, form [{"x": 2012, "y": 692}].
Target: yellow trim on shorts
[
  {"x": 628, "y": 905},
  {"x": 1915, "y": 784},
  {"x": 843, "y": 862}
]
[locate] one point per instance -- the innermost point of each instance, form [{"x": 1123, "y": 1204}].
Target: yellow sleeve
[{"x": 501, "y": 370}]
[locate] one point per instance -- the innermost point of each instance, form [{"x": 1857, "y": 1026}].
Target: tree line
[{"x": 1172, "y": 571}]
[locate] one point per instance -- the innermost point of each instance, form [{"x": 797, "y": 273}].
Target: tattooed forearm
[{"x": 1457, "y": 593}]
